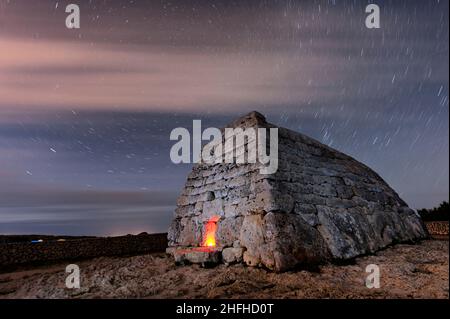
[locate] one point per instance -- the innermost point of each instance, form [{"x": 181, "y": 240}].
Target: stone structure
[
  {"x": 320, "y": 205},
  {"x": 439, "y": 228}
]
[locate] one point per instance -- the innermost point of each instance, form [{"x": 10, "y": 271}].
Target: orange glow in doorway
[{"x": 209, "y": 238}]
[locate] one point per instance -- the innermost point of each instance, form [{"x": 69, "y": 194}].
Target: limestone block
[{"x": 232, "y": 255}]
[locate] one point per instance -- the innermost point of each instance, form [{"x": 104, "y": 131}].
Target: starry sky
[{"x": 85, "y": 114}]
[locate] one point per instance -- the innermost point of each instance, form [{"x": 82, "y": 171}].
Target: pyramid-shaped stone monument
[{"x": 319, "y": 205}]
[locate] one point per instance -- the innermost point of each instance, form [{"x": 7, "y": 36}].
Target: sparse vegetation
[{"x": 440, "y": 213}]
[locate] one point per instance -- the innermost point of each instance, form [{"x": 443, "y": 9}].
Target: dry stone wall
[
  {"x": 23, "y": 253},
  {"x": 439, "y": 228}
]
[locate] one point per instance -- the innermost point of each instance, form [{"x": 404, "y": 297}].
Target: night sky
[{"x": 85, "y": 114}]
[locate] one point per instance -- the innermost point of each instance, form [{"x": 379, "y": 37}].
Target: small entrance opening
[{"x": 209, "y": 233}]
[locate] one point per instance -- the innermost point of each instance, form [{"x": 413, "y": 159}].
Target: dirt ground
[{"x": 407, "y": 271}]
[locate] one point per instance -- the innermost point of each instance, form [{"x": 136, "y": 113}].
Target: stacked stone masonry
[
  {"x": 320, "y": 205},
  {"x": 52, "y": 251}
]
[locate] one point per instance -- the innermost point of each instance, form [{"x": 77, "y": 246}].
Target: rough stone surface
[
  {"x": 198, "y": 255},
  {"x": 320, "y": 205},
  {"x": 438, "y": 228}
]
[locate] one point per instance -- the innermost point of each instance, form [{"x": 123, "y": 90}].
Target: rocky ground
[{"x": 407, "y": 271}]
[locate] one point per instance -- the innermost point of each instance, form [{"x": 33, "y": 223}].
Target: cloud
[
  {"x": 88, "y": 212},
  {"x": 187, "y": 57},
  {"x": 64, "y": 75}
]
